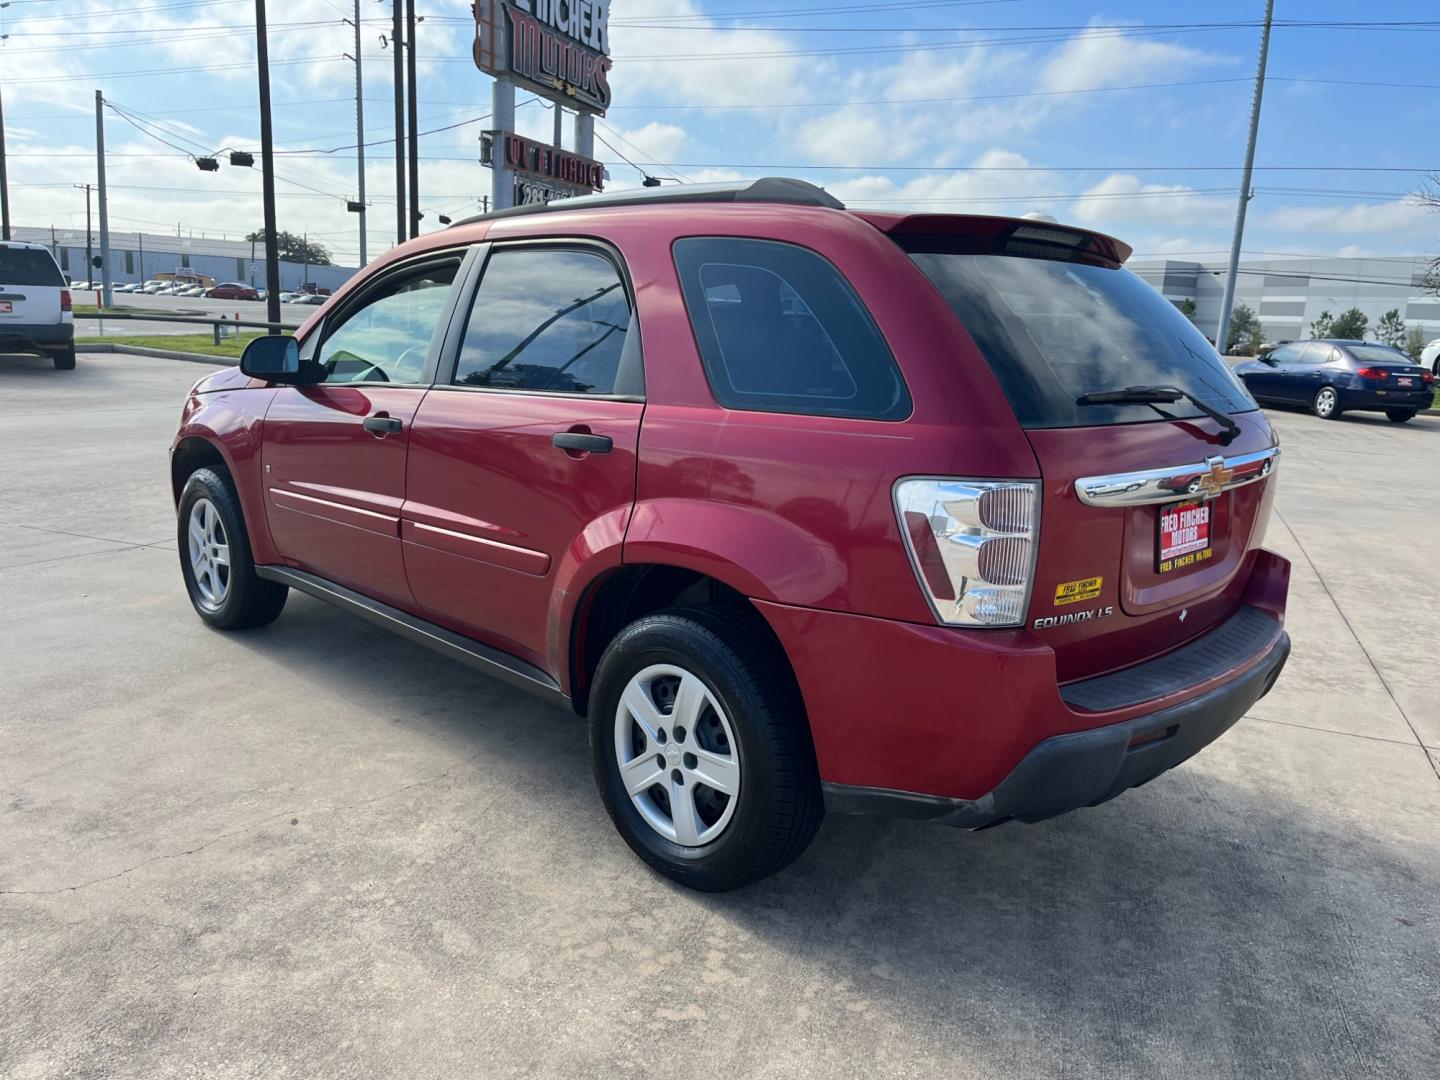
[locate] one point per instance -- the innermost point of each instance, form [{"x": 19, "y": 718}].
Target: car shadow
[
  {"x": 1420, "y": 422},
  {"x": 1206, "y": 924}
]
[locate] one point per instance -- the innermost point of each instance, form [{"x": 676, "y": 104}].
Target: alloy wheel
[
  {"x": 209, "y": 551},
  {"x": 1325, "y": 401},
  {"x": 678, "y": 757}
]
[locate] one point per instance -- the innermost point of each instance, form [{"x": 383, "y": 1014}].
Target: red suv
[{"x": 804, "y": 509}]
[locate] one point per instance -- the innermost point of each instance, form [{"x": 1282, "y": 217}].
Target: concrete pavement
[{"x": 317, "y": 850}]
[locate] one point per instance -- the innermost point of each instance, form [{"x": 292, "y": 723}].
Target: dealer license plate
[
  {"x": 1402, "y": 380},
  {"x": 5, "y": 307},
  {"x": 1184, "y": 535}
]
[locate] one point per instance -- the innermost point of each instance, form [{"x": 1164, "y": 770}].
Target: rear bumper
[
  {"x": 1387, "y": 399},
  {"x": 1082, "y": 768},
  {"x": 36, "y": 335}
]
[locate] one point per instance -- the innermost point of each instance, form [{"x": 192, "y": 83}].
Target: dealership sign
[
  {"x": 558, "y": 48},
  {"x": 542, "y": 166}
]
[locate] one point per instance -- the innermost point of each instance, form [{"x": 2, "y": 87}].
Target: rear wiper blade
[{"x": 1162, "y": 395}]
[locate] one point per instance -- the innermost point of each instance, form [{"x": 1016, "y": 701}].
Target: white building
[{"x": 1290, "y": 293}]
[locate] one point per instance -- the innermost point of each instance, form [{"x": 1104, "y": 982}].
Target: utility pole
[
  {"x": 414, "y": 108},
  {"x": 267, "y": 162},
  {"x": 1222, "y": 333},
  {"x": 401, "y": 233},
  {"x": 360, "y": 134},
  {"x": 105, "y": 296},
  {"x": 140, "y": 242},
  {"x": 4, "y": 182}
]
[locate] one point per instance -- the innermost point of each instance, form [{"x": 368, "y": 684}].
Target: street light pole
[
  {"x": 4, "y": 182},
  {"x": 401, "y": 233},
  {"x": 360, "y": 134},
  {"x": 267, "y": 168},
  {"x": 1222, "y": 332},
  {"x": 413, "y": 108},
  {"x": 105, "y": 274}
]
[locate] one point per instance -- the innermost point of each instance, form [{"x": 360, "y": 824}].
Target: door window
[
  {"x": 550, "y": 319},
  {"x": 388, "y": 338}
]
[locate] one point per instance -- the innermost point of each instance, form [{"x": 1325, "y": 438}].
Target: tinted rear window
[
  {"x": 1378, "y": 354},
  {"x": 26, "y": 266},
  {"x": 1052, "y": 331},
  {"x": 780, "y": 330}
]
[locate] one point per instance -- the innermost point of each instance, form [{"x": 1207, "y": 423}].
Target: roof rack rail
[{"x": 769, "y": 189}]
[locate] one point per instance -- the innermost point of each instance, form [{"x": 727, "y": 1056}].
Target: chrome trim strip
[{"x": 1204, "y": 479}]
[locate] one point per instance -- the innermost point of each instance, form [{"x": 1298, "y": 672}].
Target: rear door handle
[
  {"x": 582, "y": 442},
  {"x": 380, "y": 424}
]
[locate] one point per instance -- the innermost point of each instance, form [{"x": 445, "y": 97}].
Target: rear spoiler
[{"x": 982, "y": 234}]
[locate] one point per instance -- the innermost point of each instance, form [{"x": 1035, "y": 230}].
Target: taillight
[
  {"x": 64, "y": 299},
  {"x": 1372, "y": 373},
  {"x": 1429, "y": 378},
  {"x": 972, "y": 544}
]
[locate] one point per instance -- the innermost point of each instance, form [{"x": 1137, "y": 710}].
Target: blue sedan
[{"x": 1333, "y": 377}]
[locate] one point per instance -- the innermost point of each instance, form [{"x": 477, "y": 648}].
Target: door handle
[
  {"x": 379, "y": 424},
  {"x": 582, "y": 442}
]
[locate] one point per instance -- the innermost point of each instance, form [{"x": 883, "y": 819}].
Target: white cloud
[
  {"x": 1097, "y": 58},
  {"x": 1121, "y": 197},
  {"x": 991, "y": 189},
  {"x": 1400, "y": 216}
]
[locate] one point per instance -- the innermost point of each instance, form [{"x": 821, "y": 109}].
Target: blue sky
[{"x": 1003, "y": 106}]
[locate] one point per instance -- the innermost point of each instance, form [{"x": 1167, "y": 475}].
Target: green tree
[
  {"x": 1187, "y": 308},
  {"x": 1322, "y": 326},
  {"x": 1414, "y": 343},
  {"x": 1390, "y": 330},
  {"x": 1245, "y": 331},
  {"x": 1350, "y": 325},
  {"x": 294, "y": 248}
]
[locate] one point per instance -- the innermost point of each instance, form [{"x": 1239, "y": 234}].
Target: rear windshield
[
  {"x": 1378, "y": 354},
  {"x": 26, "y": 266},
  {"x": 1052, "y": 331}
]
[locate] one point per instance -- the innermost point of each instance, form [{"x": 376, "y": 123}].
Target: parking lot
[
  {"x": 196, "y": 307},
  {"x": 318, "y": 850}
]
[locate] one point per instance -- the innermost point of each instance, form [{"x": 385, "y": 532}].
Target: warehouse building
[
  {"x": 1290, "y": 293},
  {"x": 138, "y": 257}
]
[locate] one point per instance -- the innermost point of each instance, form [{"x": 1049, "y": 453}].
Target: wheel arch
[{"x": 631, "y": 591}]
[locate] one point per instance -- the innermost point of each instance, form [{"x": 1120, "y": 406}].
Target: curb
[{"x": 163, "y": 354}]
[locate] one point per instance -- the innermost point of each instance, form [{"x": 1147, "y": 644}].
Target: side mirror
[{"x": 273, "y": 357}]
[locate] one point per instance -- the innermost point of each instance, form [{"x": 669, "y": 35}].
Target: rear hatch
[
  {"x": 1148, "y": 509},
  {"x": 30, "y": 287}
]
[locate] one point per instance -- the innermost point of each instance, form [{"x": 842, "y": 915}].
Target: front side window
[
  {"x": 780, "y": 330},
  {"x": 549, "y": 319},
  {"x": 388, "y": 338}
]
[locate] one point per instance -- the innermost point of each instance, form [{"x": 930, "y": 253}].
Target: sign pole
[{"x": 502, "y": 112}]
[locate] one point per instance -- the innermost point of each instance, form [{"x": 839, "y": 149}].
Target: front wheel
[
  {"x": 701, "y": 749},
  {"x": 1399, "y": 416},
  {"x": 1326, "y": 403},
  {"x": 215, "y": 557}
]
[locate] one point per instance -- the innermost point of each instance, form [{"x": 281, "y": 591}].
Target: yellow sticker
[{"x": 1072, "y": 592}]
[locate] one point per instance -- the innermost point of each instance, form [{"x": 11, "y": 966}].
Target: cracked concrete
[{"x": 317, "y": 851}]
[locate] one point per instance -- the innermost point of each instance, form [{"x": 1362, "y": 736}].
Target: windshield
[
  {"x": 1378, "y": 354},
  {"x": 1052, "y": 331},
  {"x": 27, "y": 266}
]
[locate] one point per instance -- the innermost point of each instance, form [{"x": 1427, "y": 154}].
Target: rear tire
[
  {"x": 215, "y": 558},
  {"x": 1326, "y": 403},
  {"x": 703, "y": 679},
  {"x": 64, "y": 360},
  {"x": 1400, "y": 416}
]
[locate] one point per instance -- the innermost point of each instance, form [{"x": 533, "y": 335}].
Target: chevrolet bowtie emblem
[{"x": 1213, "y": 482}]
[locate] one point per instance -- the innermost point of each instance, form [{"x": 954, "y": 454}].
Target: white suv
[
  {"x": 1430, "y": 358},
  {"x": 35, "y": 313}
]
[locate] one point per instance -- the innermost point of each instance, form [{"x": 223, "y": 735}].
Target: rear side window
[
  {"x": 1054, "y": 330},
  {"x": 550, "y": 319},
  {"x": 26, "y": 266},
  {"x": 780, "y": 330}
]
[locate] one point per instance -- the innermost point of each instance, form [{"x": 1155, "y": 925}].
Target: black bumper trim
[
  {"x": 36, "y": 335},
  {"x": 1082, "y": 768}
]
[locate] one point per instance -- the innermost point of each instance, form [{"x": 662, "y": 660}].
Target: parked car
[
  {"x": 803, "y": 510},
  {"x": 35, "y": 311},
  {"x": 1430, "y": 357},
  {"x": 232, "y": 290},
  {"x": 1333, "y": 376},
  {"x": 153, "y": 286},
  {"x": 312, "y": 299}
]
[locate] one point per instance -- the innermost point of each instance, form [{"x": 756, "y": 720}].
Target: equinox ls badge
[{"x": 1091, "y": 615}]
